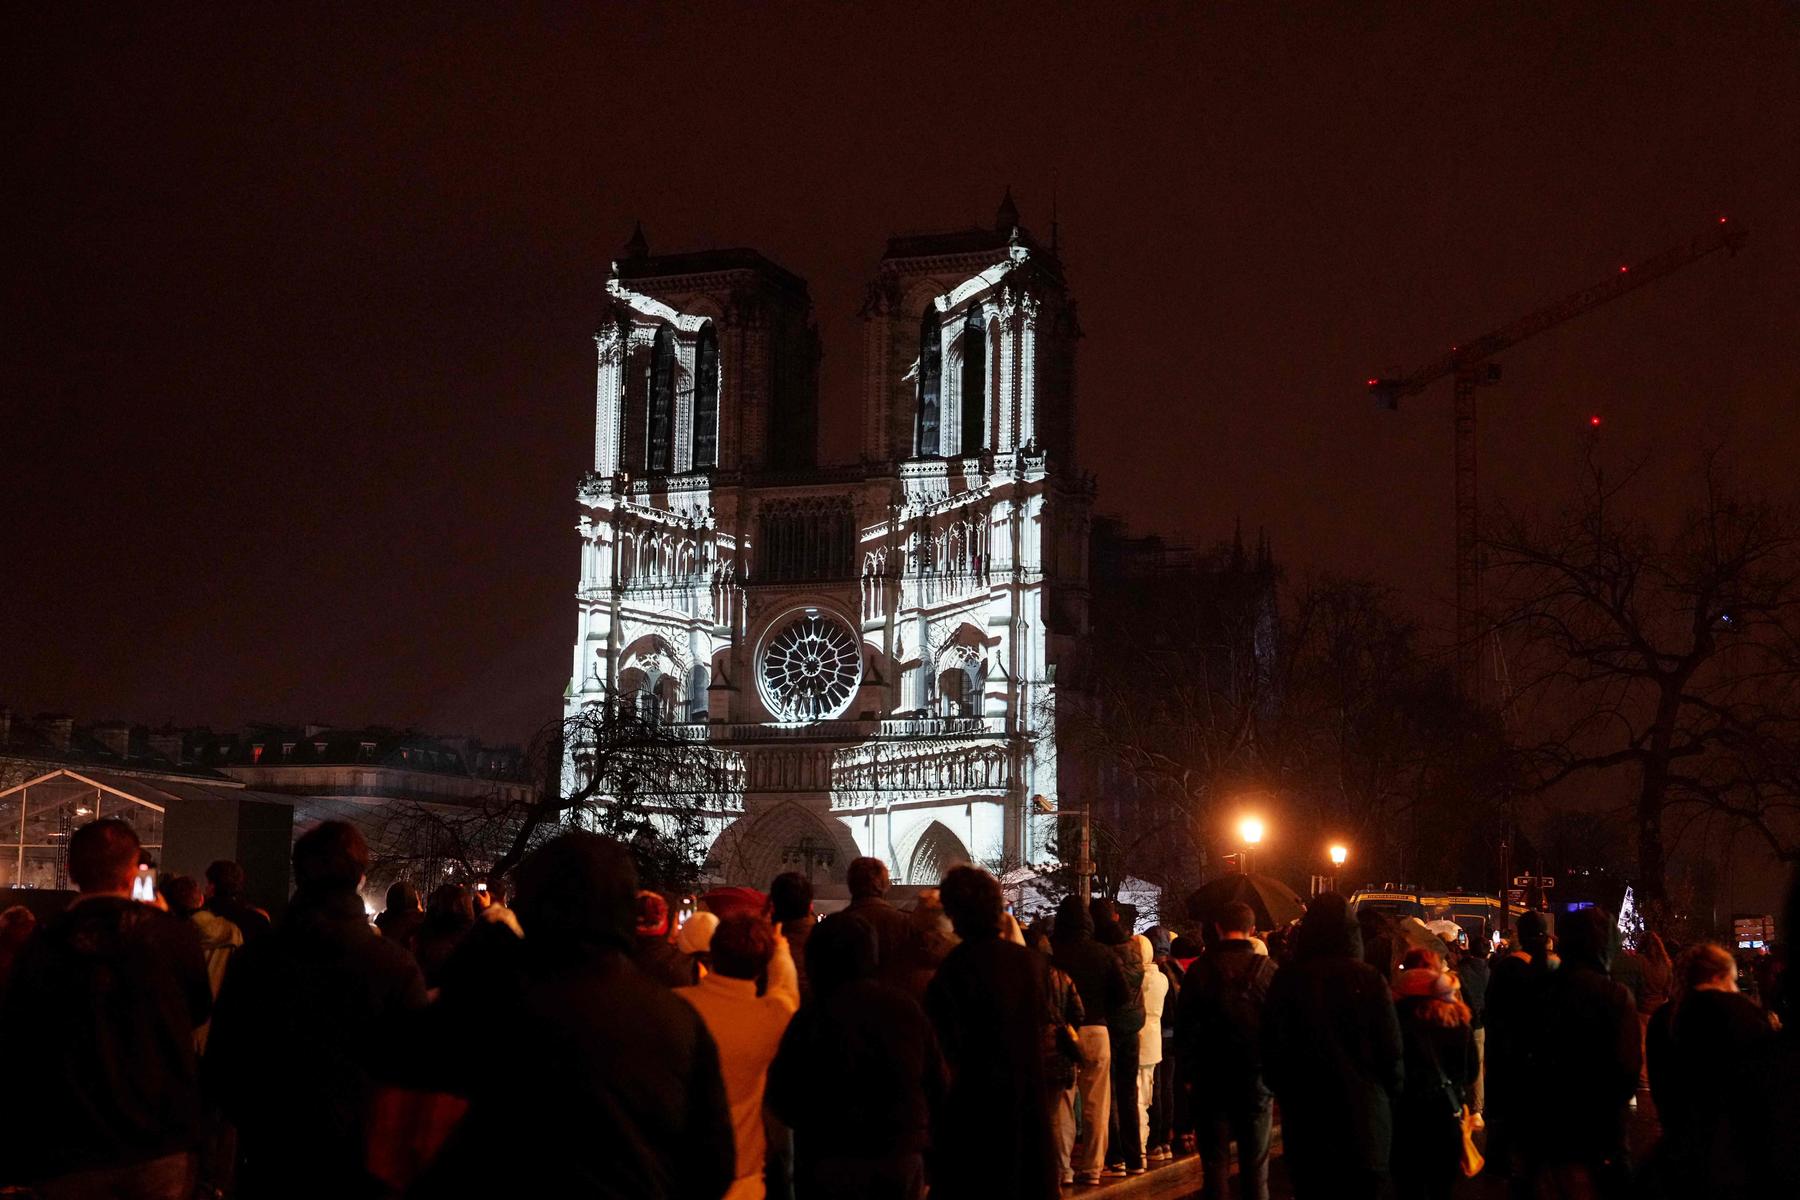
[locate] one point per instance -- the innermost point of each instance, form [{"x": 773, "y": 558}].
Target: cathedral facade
[{"x": 874, "y": 647}]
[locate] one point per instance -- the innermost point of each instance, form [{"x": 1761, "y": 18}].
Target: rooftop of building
[
  {"x": 637, "y": 264},
  {"x": 205, "y": 754}
]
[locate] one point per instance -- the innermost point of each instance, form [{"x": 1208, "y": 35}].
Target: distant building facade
[{"x": 874, "y": 647}]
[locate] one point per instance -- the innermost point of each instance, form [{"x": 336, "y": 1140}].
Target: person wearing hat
[{"x": 1439, "y": 1050}]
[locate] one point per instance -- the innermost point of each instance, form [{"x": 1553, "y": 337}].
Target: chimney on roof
[
  {"x": 115, "y": 736},
  {"x": 5, "y": 726},
  {"x": 167, "y": 744},
  {"x": 58, "y": 729},
  {"x": 313, "y": 731}
]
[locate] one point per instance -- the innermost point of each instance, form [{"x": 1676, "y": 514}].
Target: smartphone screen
[{"x": 144, "y": 886}]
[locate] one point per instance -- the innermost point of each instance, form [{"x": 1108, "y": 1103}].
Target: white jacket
[{"x": 1156, "y": 990}]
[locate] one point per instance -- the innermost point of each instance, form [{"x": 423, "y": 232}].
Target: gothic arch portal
[
  {"x": 934, "y": 854},
  {"x": 757, "y": 847}
]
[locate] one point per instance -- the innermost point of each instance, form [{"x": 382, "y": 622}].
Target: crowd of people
[{"x": 585, "y": 1041}]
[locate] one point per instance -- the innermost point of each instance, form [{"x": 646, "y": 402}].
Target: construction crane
[{"x": 1471, "y": 365}]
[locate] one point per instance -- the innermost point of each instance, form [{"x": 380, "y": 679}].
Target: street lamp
[
  {"x": 1338, "y": 853},
  {"x": 1250, "y": 832}
]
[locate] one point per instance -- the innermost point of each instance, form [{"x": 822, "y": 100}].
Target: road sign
[
  {"x": 1543, "y": 881},
  {"x": 1515, "y": 895}
]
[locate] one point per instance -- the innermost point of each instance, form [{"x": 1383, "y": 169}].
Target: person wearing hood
[
  {"x": 300, "y": 1021},
  {"x": 1100, "y": 981},
  {"x": 694, "y": 942},
  {"x": 583, "y": 1075},
  {"x": 97, "y": 1032},
  {"x": 1332, "y": 1055},
  {"x": 1124, "y": 1150},
  {"x": 1435, "y": 1027},
  {"x": 1153, "y": 996},
  {"x": 1161, "y": 1132},
  {"x": 986, "y": 1002},
  {"x": 1219, "y": 1048},
  {"x": 1582, "y": 1059},
  {"x": 858, "y": 1076}
]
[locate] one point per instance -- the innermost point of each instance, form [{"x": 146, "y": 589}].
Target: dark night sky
[{"x": 297, "y": 363}]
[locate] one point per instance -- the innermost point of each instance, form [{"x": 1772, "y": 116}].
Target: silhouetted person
[
  {"x": 1440, "y": 1070},
  {"x": 791, "y": 903},
  {"x": 857, "y": 1077},
  {"x": 654, "y": 950},
  {"x": 97, "y": 1038},
  {"x": 1218, "y": 1041},
  {"x": 868, "y": 882},
  {"x": 17, "y": 924},
  {"x": 1582, "y": 1059},
  {"x": 301, "y": 1024},
  {"x": 1100, "y": 980},
  {"x": 1332, "y": 1056},
  {"x": 226, "y": 886},
  {"x": 584, "y": 1076},
  {"x": 402, "y": 915},
  {"x": 449, "y": 917},
  {"x": 1708, "y": 1049},
  {"x": 1513, "y": 981},
  {"x": 987, "y": 1002},
  {"x": 1125, "y": 1150}
]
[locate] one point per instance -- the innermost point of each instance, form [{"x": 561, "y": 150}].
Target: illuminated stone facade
[{"x": 875, "y": 645}]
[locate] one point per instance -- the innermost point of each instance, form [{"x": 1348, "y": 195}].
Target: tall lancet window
[
  {"x": 974, "y": 382},
  {"x": 930, "y": 373},
  {"x": 661, "y": 448},
  {"x": 706, "y": 399}
]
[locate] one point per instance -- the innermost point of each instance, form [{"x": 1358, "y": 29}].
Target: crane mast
[{"x": 1470, "y": 365}]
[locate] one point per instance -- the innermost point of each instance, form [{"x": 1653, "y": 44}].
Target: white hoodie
[{"x": 1156, "y": 990}]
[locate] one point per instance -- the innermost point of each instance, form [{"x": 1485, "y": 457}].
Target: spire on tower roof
[
  {"x": 639, "y": 245},
  {"x": 1008, "y": 214}
]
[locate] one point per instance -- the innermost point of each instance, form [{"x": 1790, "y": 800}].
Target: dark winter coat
[
  {"x": 1581, "y": 1052},
  {"x": 1331, "y": 1046},
  {"x": 302, "y": 1022},
  {"x": 584, "y": 1076},
  {"x": 663, "y": 961},
  {"x": 1098, "y": 973},
  {"x": 893, "y": 938},
  {"x": 1218, "y": 1027},
  {"x": 1707, "y": 1061},
  {"x": 797, "y": 931},
  {"x": 992, "y": 1136},
  {"x": 1440, "y": 1067},
  {"x": 97, "y": 1038},
  {"x": 1125, "y": 1022},
  {"x": 1473, "y": 974},
  {"x": 859, "y": 1073}
]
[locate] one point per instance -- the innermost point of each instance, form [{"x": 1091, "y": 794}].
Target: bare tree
[
  {"x": 615, "y": 768},
  {"x": 1668, "y": 652}
]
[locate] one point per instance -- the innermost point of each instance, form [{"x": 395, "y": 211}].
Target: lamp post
[
  {"x": 1339, "y": 855},
  {"x": 1250, "y": 831}
]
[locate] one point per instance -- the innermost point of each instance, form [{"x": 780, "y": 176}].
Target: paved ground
[{"x": 1180, "y": 1179}]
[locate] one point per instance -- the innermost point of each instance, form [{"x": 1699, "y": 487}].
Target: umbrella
[
  {"x": 1415, "y": 932},
  {"x": 1273, "y": 901}
]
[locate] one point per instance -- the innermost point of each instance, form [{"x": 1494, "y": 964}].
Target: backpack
[{"x": 1234, "y": 1030}]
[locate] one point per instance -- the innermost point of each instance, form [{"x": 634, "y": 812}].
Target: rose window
[{"x": 810, "y": 668}]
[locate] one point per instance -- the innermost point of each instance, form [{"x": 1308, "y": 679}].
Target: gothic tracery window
[
  {"x": 660, "y": 389},
  {"x": 974, "y": 383},
  {"x": 930, "y": 373},
  {"x": 810, "y": 668},
  {"x": 706, "y": 399}
]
